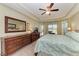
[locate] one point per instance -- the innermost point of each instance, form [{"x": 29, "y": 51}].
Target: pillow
[{"x": 73, "y": 35}]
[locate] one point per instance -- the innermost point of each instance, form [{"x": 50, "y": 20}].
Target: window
[{"x": 52, "y": 28}]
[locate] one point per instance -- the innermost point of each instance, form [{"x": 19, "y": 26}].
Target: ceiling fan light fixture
[{"x": 47, "y": 12}]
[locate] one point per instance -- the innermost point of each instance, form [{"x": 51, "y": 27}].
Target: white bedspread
[{"x": 57, "y": 45}]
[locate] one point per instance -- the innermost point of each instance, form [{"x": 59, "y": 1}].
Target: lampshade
[{"x": 69, "y": 28}]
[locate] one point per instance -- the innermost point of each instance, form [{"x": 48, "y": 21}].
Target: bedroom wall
[
  {"x": 69, "y": 27},
  {"x": 75, "y": 22},
  {"x": 5, "y": 11},
  {"x": 73, "y": 18},
  {"x": 59, "y": 27},
  {"x": 45, "y": 27}
]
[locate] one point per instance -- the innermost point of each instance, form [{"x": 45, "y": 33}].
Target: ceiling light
[{"x": 47, "y": 12}]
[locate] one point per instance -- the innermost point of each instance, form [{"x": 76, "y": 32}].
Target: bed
[{"x": 58, "y": 45}]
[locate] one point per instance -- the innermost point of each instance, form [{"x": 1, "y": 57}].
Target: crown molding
[
  {"x": 30, "y": 12},
  {"x": 32, "y": 16},
  {"x": 67, "y": 15}
]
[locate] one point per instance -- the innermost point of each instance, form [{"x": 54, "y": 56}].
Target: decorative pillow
[{"x": 73, "y": 35}]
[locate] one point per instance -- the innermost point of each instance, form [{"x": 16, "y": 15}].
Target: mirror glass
[{"x": 14, "y": 25}]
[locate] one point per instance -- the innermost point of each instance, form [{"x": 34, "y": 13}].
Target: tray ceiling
[{"x": 32, "y": 10}]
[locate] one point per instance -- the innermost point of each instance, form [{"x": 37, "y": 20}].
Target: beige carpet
[{"x": 25, "y": 51}]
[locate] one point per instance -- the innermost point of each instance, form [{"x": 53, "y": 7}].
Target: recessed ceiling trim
[
  {"x": 20, "y": 12},
  {"x": 30, "y": 12},
  {"x": 34, "y": 14},
  {"x": 70, "y": 10}
]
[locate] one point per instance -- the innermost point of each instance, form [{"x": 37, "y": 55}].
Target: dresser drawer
[{"x": 14, "y": 43}]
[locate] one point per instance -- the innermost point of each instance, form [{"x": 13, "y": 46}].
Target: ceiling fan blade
[
  {"x": 43, "y": 13},
  {"x": 42, "y": 9},
  {"x": 55, "y": 10},
  {"x": 51, "y": 5}
]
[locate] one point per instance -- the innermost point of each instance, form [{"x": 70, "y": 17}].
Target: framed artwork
[{"x": 11, "y": 26}]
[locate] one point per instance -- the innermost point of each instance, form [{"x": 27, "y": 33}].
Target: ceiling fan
[{"x": 48, "y": 10}]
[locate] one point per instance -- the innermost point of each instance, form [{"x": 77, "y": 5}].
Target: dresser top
[{"x": 7, "y": 35}]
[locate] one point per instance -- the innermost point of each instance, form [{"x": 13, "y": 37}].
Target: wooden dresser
[
  {"x": 13, "y": 44},
  {"x": 35, "y": 36}
]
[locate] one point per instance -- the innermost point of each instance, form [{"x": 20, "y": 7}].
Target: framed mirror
[{"x": 14, "y": 25}]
